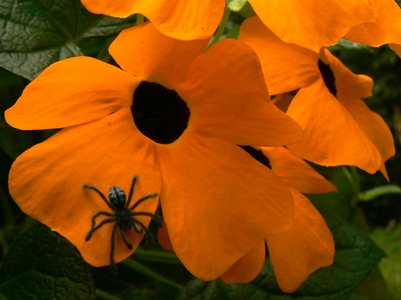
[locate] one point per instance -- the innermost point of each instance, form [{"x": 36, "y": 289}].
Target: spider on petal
[{"x": 123, "y": 215}]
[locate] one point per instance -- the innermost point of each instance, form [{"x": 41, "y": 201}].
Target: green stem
[
  {"x": 100, "y": 294},
  {"x": 379, "y": 191},
  {"x": 156, "y": 256},
  {"x": 150, "y": 273},
  {"x": 139, "y": 19},
  {"x": 221, "y": 28}
]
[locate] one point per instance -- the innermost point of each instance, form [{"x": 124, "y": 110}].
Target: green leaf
[
  {"x": 36, "y": 33},
  {"x": 389, "y": 239},
  {"x": 356, "y": 255},
  {"x": 42, "y": 264}
]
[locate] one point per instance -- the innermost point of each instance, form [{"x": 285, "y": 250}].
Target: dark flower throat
[
  {"x": 159, "y": 113},
  {"x": 328, "y": 77}
]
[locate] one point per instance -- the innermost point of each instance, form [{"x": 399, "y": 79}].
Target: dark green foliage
[
  {"x": 36, "y": 33},
  {"x": 42, "y": 264},
  {"x": 356, "y": 255}
]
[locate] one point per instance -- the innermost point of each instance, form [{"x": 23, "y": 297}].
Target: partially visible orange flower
[
  {"x": 339, "y": 128},
  {"x": 307, "y": 245},
  {"x": 312, "y": 23},
  {"x": 386, "y": 29},
  {"x": 180, "y": 19},
  {"x": 173, "y": 116}
]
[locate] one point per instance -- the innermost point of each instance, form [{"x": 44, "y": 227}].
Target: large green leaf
[
  {"x": 42, "y": 265},
  {"x": 356, "y": 255},
  {"x": 36, "y": 33}
]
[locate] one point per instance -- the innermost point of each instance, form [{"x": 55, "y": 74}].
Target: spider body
[{"x": 122, "y": 215}]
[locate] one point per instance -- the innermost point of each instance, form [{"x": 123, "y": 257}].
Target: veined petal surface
[
  {"x": 385, "y": 30},
  {"x": 311, "y": 23},
  {"x": 71, "y": 92},
  {"x": 305, "y": 247},
  {"x": 47, "y": 181},
  {"x": 331, "y": 135},
  {"x": 247, "y": 267},
  {"x": 228, "y": 99},
  {"x": 180, "y": 19},
  {"x": 148, "y": 55},
  {"x": 212, "y": 189},
  {"x": 286, "y": 67},
  {"x": 295, "y": 172}
]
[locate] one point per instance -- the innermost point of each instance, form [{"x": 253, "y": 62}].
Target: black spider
[{"x": 123, "y": 215}]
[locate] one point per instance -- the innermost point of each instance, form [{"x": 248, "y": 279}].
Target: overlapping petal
[
  {"x": 346, "y": 82},
  {"x": 67, "y": 94},
  {"x": 385, "y": 29},
  {"x": 148, "y": 55},
  {"x": 286, "y": 67},
  {"x": 311, "y": 23},
  {"x": 213, "y": 189},
  {"x": 295, "y": 172},
  {"x": 247, "y": 267},
  {"x": 249, "y": 117},
  {"x": 180, "y": 19},
  {"x": 106, "y": 152},
  {"x": 331, "y": 135},
  {"x": 305, "y": 247}
]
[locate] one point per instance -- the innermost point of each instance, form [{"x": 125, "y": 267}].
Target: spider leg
[
  {"x": 143, "y": 199},
  {"x": 90, "y": 187},
  {"x": 153, "y": 216},
  {"x": 125, "y": 239},
  {"x": 112, "y": 246},
  {"x": 131, "y": 191},
  {"x": 148, "y": 234},
  {"x": 92, "y": 230},
  {"x": 100, "y": 213}
]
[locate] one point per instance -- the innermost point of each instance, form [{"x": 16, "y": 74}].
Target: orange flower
[
  {"x": 307, "y": 245},
  {"x": 339, "y": 128},
  {"x": 184, "y": 20},
  {"x": 173, "y": 117},
  {"x": 313, "y": 23},
  {"x": 386, "y": 29}
]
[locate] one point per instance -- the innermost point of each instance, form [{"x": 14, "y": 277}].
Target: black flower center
[
  {"x": 159, "y": 113},
  {"x": 328, "y": 77},
  {"x": 258, "y": 155}
]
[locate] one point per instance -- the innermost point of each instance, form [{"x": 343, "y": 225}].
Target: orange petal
[
  {"x": 295, "y": 172},
  {"x": 164, "y": 239},
  {"x": 227, "y": 96},
  {"x": 286, "y": 67},
  {"x": 47, "y": 181},
  {"x": 385, "y": 30},
  {"x": 374, "y": 127},
  {"x": 247, "y": 267},
  {"x": 148, "y": 55},
  {"x": 307, "y": 246},
  {"x": 218, "y": 203},
  {"x": 331, "y": 136},
  {"x": 67, "y": 93},
  {"x": 347, "y": 83},
  {"x": 180, "y": 19},
  {"x": 313, "y": 23}
]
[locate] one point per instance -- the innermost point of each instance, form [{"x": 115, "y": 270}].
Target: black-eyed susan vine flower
[
  {"x": 181, "y": 19},
  {"x": 308, "y": 244},
  {"x": 173, "y": 116},
  {"x": 305, "y": 246},
  {"x": 339, "y": 128}
]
